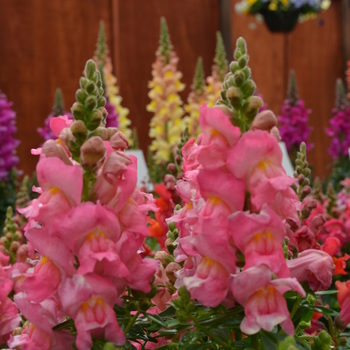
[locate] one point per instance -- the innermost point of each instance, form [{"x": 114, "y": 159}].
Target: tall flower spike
[
  {"x": 293, "y": 119},
  {"x": 166, "y": 125},
  {"x": 341, "y": 101},
  {"x": 219, "y": 70},
  {"x": 117, "y": 115},
  {"x": 292, "y": 93},
  {"x": 331, "y": 200},
  {"x": 238, "y": 90},
  {"x": 22, "y": 197},
  {"x": 57, "y": 110},
  {"x": 8, "y": 144},
  {"x": 195, "y": 99},
  {"x": 302, "y": 173}
]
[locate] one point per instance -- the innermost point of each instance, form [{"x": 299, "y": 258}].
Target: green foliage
[
  {"x": 238, "y": 90},
  {"x": 101, "y": 45},
  {"x": 332, "y": 199},
  {"x": 341, "y": 100},
  {"x": 340, "y": 171},
  {"x": 7, "y": 195}
]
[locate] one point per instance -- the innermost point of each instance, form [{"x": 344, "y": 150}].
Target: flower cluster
[
  {"x": 339, "y": 124},
  {"x": 196, "y": 98},
  {"x": 219, "y": 70},
  {"x": 302, "y": 6},
  {"x": 86, "y": 226},
  {"x": 117, "y": 115},
  {"x": 166, "y": 125},
  {"x": 8, "y": 144},
  {"x": 293, "y": 119},
  {"x": 236, "y": 199},
  {"x": 57, "y": 110}
]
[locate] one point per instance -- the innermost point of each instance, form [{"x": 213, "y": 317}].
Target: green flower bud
[
  {"x": 242, "y": 62},
  {"x": 90, "y": 69},
  {"x": 78, "y": 111},
  {"x": 91, "y": 152},
  {"x": 234, "y": 67},
  {"x": 241, "y": 44},
  {"x": 83, "y": 82},
  {"x": 184, "y": 295},
  {"x": 145, "y": 304},
  {"x": 94, "y": 120},
  {"x": 223, "y": 95},
  {"x": 79, "y": 130},
  {"x": 81, "y": 95},
  {"x": 190, "y": 307},
  {"x": 252, "y": 106},
  {"x": 172, "y": 225},
  {"x": 108, "y": 346},
  {"x": 91, "y": 88},
  {"x": 182, "y": 315},
  {"x": 237, "y": 54},
  {"x": 247, "y": 72},
  {"x": 248, "y": 88},
  {"x": 101, "y": 102},
  {"x": 91, "y": 102},
  {"x": 101, "y": 91},
  {"x": 239, "y": 78},
  {"x": 177, "y": 303},
  {"x": 234, "y": 95}
]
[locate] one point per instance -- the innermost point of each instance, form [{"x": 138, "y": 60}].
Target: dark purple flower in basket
[
  {"x": 339, "y": 124},
  {"x": 8, "y": 144},
  {"x": 294, "y": 119},
  {"x": 57, "y": 110}
]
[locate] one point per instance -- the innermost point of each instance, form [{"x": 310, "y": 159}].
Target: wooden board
[
  {"x": 192, "y": 26},
  {"x": 44, "y": 45}
]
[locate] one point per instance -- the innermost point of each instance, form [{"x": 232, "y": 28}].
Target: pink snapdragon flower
[
  {"x": 89, "y": 300},
  {"x": 9, "y": 319},
  {"x": 262, "y": 298},
  {"x": 259, "y": 237},
  {"x": 314, "y": 266}
]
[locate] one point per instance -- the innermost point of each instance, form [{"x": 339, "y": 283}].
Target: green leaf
[
  {"x": 169, "y": 312},
  {"x": 222, "y": 334},
  {"x": 198, "y": 346},
  {"x": 326, "y": 292},
  {"x": 157, "y": 319},
  {"x": 64, "y": 325}
]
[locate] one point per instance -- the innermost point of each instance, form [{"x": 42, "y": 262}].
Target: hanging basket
[{"x": 280, "y": 22}]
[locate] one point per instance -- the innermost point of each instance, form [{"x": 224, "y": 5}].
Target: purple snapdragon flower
[
  {"x": 339, "y": 124},
  {"x": 8, "y": 144},
  {"x": 112, "y": 117},
  {"x": 293, "y": 119}
]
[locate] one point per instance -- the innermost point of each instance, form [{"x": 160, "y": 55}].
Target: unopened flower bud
[
  {"x": 234, "y": 67},
  {"x": 171, "y": 167},
  {"x": 169, "y": 178},
  {"x": 91, "y": 152},
  {"x": 78, "y": 129},
  {"x": 52, "y": 149},
  {"x": 17, "y": 331},
  {"x": 265, "y": 120},
  {"x": 178, "y": 159},
  {"x": 22, "y": 253},
  {"x": 251, "y": 106},
  {"x": 306, "y": 191},
  {"x": 169, "y": 246},
  {"x": 227, "y": 111},
  {"x": 94, "y": 120},
  {"x": 170, "y": 271},
  {"x": 163, "y": 257},
  {"x": 239, "y": 78},
  {"x": 14, "y": 246},
  {"x": 234, "y": 95},
  {"x": 111, "y": 131},
  {"x": 78, "y": 111},
  {"x": 119, "y": 142},
  {"x": 108, "y": 346}
]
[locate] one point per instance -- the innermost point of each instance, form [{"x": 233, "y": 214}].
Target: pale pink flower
[
  {"x": 89, "y": 300},
  {"x": 57, "y": 124},
  {"x": 209, "y": 284},
  {"x": 259, "y": 237},
  {"x": 9, "y": 318},
  {"x": 263, "y": 301},
  {"x": 314, "y": 266}
]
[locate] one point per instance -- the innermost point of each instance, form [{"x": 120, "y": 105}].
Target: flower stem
[
  {"x": 132, "y": 322},
  {"x": 211, "y": 335},
  {"x": 254, "y": 341},
  {"x": 295, "y": 306}
]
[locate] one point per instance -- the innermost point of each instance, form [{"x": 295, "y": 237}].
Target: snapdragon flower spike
[
  {"x": 195, "y": 99},
  {"x": 117, "y": 115},
  {"x": 237, "y": 95},
  {"x": 339, "y": 124},
  {"x": 218, "y": 72},
  {"x": 8, "y": 144},
  {"x": 294, "y": 118},
  {"x": 166, "y": 125},
  {"x": 58, "y": 110}
]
